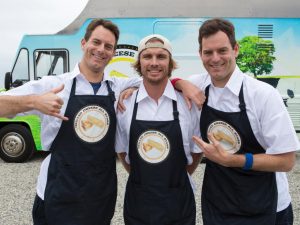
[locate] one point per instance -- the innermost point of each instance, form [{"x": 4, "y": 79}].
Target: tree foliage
[{"x": 256, "y": 55}]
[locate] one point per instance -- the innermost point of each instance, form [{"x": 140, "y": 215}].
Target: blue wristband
[{"x": 249, "y": 161}]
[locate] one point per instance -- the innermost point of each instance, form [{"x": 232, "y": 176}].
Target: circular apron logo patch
[
  {"x": 228, "y": 137},
  {"x": 91, "y": 123},
  {"x": 153, "y": 146}
]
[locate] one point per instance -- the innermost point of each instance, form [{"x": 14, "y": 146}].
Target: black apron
[
  {"x": 82, "y": 183},
  {"x": 158, "y": 193},
  {"x": 233, "y": 196}
]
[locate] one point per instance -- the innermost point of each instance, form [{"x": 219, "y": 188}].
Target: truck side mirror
[
  {"x": 290, "y": 93},
  {"x": 7, "y": 80},
  {"x": 17, "y": 83}
]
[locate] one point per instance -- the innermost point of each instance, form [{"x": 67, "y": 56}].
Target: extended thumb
[{"x": 58, "y": 89}]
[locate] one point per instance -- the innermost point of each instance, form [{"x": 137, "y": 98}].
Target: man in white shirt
[
  {"x": 154, "y": 142},
  {"x": 77, "y": 182},
  {"x": 247, "y": 137}
]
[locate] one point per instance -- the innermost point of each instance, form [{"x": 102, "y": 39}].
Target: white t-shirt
[
  {"x": 267, "y": 114},
  {"x": 50, "y": 125}
]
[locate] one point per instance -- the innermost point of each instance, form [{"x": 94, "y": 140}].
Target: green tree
[{"x": 256, "y": 55}]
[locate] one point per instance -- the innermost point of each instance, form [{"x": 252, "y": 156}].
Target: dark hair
[
  {"x": 212, "y": 26},
  {"x": 107, "y": 24},
  {"x": 137, "y": 64}
]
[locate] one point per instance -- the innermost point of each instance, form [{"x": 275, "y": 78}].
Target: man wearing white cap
[{"x": 154, "y": 143}]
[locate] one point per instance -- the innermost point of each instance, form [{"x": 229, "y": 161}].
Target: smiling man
[
  {"x": 247, "y": 137},
  {"x": 154, "y": 142},
  {"x": 77, "y": 183}
]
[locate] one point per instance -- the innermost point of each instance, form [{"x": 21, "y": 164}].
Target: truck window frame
[
  {"x": 64, "y": 56},
  {"x": 16, "y": 63}
]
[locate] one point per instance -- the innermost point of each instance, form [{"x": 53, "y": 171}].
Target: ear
[
  {"x": 83, "y": 42},
  {"x": 236, "y": 49},
  {"x": 200, "y": 53}
]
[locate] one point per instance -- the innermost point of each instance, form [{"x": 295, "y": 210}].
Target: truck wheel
[{"x": 16, "y": 143}]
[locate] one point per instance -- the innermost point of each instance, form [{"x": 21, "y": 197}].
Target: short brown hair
[
  {"x": 107, "y": 24},
  {"x": 212, "y": 26},
  {"x": 172, "y": 64}
]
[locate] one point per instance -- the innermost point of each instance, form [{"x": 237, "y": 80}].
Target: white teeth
[
  {"x": 216, "y": 66},
  {"x": 98, "y": 56}
]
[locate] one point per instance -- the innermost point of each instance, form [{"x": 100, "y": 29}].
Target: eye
[
  {"x": 146, "y": 56},
  {"x": 96, "y": 42},
  {"x": 223, "y": 51},
  {"x": 207, "y": 53},
  {"x": 109, "y": 47},
  {"x": 162, "y": 56}
]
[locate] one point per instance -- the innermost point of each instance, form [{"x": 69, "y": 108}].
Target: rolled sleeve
[{"x": 277, "y": 128}]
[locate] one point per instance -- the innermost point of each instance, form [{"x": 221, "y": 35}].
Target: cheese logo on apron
[
  {"x": 228, "y": 137},
  {"x": 91, "y": 123},
  {"x": 153, "y": 146}
]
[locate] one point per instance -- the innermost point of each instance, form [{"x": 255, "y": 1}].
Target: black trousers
[
  {"x": 38, "y": 212},
  {"x": 285, "y": 217}
]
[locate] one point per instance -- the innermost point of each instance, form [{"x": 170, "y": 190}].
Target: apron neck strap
[
  {"x": 175, "y": 111},
  {"x": 73, "y": 87},
  {"x": 242, "y": 104},
  {"x": 110, "y": 92}
]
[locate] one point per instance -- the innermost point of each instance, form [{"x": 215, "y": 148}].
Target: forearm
[
  {"x": 12, "y": 105},
  {"x": 260, "y": 162},
  {"x": 264, "y": 162},
  {"x": 121, "y": 157},
  {"x": 133, "y": 82},
  {"x": 196, "y": 160},
  {"x": 179, "y": 84},
  {"x": 191, "y": 92}
]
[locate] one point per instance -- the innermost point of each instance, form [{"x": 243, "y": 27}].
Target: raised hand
[
  {"x": 213, "y": 150},
  {"x": 50, "y": 103},
  {"x": 191, "y": 93},
  {"x": 124, "y": 95}
]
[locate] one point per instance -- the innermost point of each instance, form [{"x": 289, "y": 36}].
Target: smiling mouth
[
  {"x": 154, "y": 74},
  {"x": 98, "y": 57},
  {"x": 154, "y": 70},
  {"x": 218, "y": 66}
]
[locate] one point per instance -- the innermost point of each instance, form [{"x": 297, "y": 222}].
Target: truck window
[
  {"x": 21, "y": 68},
  {"x": 50, "y": 62}
]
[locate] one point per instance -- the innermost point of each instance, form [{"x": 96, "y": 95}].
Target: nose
[
  {"x": 215, "y": 57},
  {"x": 100, "y": 47},
  {"x": 154, "y": 61}
]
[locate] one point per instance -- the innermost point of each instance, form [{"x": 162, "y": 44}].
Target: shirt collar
[
  {"x": 235, "y": 82},
  {"x": 108, "y": 78},
  {"x": 76, "y": 72},
  {"x": 169, "y": 92}
]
